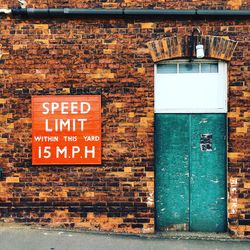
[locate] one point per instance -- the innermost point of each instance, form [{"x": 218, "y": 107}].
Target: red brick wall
[
  {"x": 74, "y": 57},
  {"x": 238, "y": 135},
  {"x": 109, "y": 57}
]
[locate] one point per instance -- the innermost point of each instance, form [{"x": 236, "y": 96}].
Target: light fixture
[
  {"x": 199, "y": 51},
  {"x": 199, "y": 47}
]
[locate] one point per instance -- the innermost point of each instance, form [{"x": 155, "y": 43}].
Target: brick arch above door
[{"x": 215, "y": 47}]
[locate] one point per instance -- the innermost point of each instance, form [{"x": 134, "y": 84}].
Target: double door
[{"x": 190, "y": 160}]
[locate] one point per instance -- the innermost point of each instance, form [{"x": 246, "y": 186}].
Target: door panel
[
  {"x": 172, "y": 170},
  {"x": 190, "y": 190},
  {"x": 207, "y": 179}
]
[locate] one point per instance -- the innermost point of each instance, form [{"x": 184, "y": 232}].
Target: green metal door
[
  {"x": 190, "y": 172},
  {"x": 172, "y": 170}
]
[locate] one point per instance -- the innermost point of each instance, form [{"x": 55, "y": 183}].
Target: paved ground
[{"x": 25, "y": 238}]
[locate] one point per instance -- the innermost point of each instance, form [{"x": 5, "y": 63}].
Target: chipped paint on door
[
  {"x": 207, "y": 179},
  {"x": 190, "y": 172},
  {"x": 172, "y": 170}
]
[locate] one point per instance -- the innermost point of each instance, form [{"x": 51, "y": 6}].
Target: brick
[
  {"x": 168, "y": 29},
  {"x": 31, "y": 76},
  {"x": 235, "y": 4},
  {"x": 131, "y": 114},
  {"x": 118, "y": 104},
  {"x": 12, "y": 179},
  {"x": 103, "y": 75},
  {"x": 90, "y": 216},
  {"x": 127, "y": 169},
  {"x": 89, "y": 194},
  {"x": 19, "y": 46},
  {"x": 121, "y": 130},
  {"x": 42, "y": 41},
  {"x": 141, "y": 70},
  {"x": 41, "y": 26},
  {"x": 115, "y": 220},
  {"x": 107, "y": 51},
  {"x": 101, "y": 219},
  {"x": 43, "y": 194},
  {"x": 147, "y": 25},
  {"x": 3, "y": 140},
  {"x": 144, "y": 122},
  {"x": 109, "y": 41},
  {"x": 247, "y": 114},
  {"x": 235, "y": 155},
  {"x": 66, "y": 90},
  {"x": 150, "y": 184},
  {"x": 150, "y": 174}
]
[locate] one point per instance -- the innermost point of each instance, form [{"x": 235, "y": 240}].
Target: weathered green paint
[
  {"x": 172, "y": 170},
  {"x": 190, "y": 183},
  {"x": 207, "y": 179}
]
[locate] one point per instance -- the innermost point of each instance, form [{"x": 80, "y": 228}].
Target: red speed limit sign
[{"x": 66, "y": 130}]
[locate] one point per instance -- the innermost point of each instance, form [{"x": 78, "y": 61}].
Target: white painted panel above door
[{"x": 191, "y": 87}]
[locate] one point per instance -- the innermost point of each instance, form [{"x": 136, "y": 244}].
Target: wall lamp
[{"x": 196, "y": 42}]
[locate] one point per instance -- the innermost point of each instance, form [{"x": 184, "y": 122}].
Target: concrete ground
[{"x": 27, "y": 238}]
